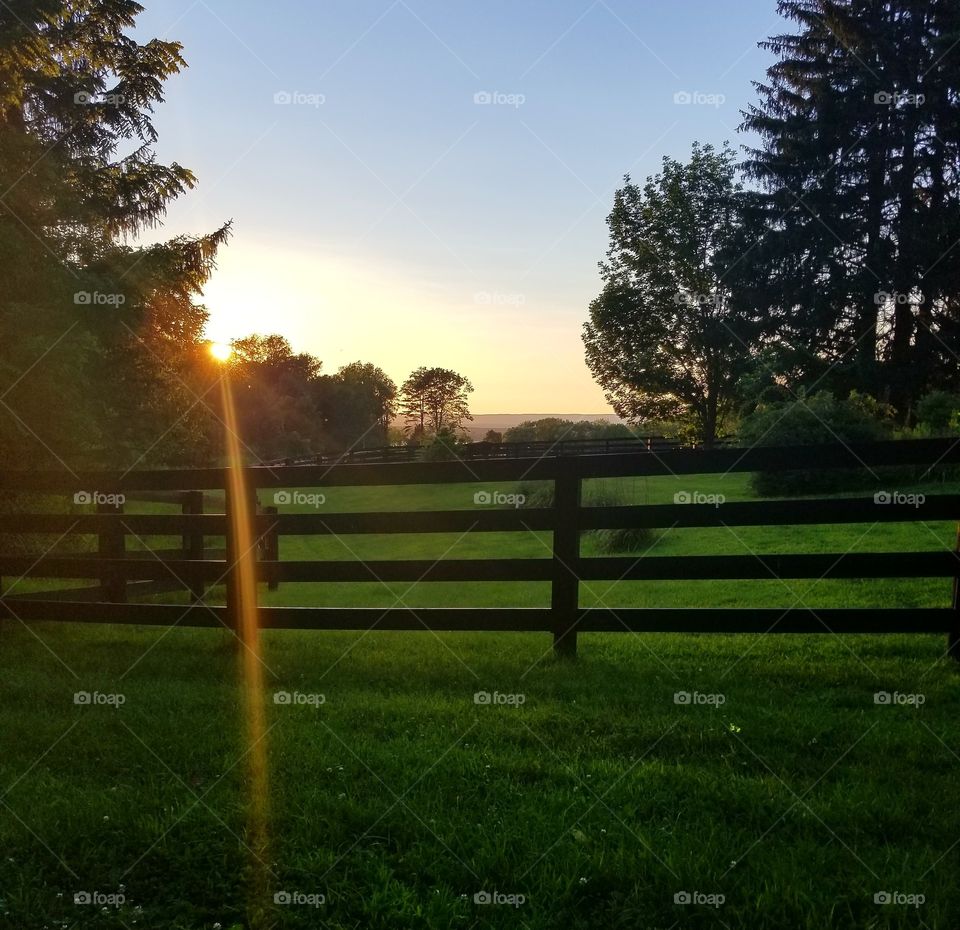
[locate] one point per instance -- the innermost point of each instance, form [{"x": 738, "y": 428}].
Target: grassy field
[{"x": 661, "y": 781}]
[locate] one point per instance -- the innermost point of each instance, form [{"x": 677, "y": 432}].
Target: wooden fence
[
  {"x": 195, "y": 568},
  {"x": 495, "y": 450}
]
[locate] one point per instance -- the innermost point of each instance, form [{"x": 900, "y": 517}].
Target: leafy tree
[
  {"x": 359, "y": 405},
  {"x": 434, "y": 399},
  {"x": 859, "y": 121},
  {"x": 274, "y": 391},
  {"x": 666, "y": 338},
  {"x": 97, "y": 338}
]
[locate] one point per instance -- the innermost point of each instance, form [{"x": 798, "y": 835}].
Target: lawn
[
  {"x": 661, "y": 781},
  {"x": 782, "y": 786}
]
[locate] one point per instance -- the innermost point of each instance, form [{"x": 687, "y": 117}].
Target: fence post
[
  {"x": 271, "y": 551},
  {"x": 564, "y": 601},
  {"x": 953, "y": 637},
  {"x": 112, "y": 544},
  {"x": 193, "y": 542}
]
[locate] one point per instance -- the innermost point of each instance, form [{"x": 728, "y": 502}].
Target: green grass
[
  {"x": 598, "y": 799},
  {"x": 798, "y": 798}
]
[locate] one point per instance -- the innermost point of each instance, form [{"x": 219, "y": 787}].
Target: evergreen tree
[
  {"x": 859, "y": 121},
  {"x": 98, "y": 338}
]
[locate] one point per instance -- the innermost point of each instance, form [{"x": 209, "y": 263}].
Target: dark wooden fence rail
[
  {"x": 195, "y": 568},
  {"x": 494, "y": 450}
]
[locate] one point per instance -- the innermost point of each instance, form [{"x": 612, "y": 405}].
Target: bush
[
  {"x": 444, "y": 447},
  {"x": 806, "y": 421},
  {"x": 938, "y": 413},
  {"x": 627, "y": 539},
  {"x": 539, "y": 494}
]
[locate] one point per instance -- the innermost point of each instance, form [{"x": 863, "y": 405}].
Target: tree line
[
  {"x": 286, "y": 406},
  {"x": 103, "y": 356},
  {"x": 823, "y": 259}
]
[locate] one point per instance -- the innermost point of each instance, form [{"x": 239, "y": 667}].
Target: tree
[
  {"x": 859, "y": 121},
  {"x": 96, "y": 337},
  {"x": 666, "y": 338},
  {"x": 435, "y": 399},
  {"x": 274, "y": 391},
  {"x": 361, "y": 404}
]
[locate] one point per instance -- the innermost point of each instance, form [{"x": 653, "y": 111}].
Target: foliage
[
  {"x": 860, "y": 142},
  {"x": 97, "y": 338},
  {"x": 434, "y": 399},
  {"x": 666, "y": 338},
  {"x": 818, "y": 419},
  {"x": 273, "y": 390},
  {"x": 358, "y": 404},
  {"x": 938, "y": 412},
  {"x": 444, "y": 446},
  {"x": 555, "y": 429}
]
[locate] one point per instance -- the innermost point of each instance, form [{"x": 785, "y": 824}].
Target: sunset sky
[{"x": 436, "y": 188}]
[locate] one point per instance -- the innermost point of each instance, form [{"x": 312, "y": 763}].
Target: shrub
[
  {"x": 444, "y": 447},
  {"x": 821, "y": 418},
  {"x": 539, "y": 494},
  {"x": 626, "y": 539},
  {"x": 937, "y": 413}
]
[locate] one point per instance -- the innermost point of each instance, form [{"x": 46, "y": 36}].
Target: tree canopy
[{"x": 666, "y": 338}]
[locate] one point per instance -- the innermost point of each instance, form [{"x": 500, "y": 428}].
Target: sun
[{"x": 221, "y": 351}]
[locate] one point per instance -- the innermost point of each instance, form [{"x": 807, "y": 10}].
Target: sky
[{"x": 426, "y": 182}]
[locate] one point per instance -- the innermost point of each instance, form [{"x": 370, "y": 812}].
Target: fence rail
[
  {"x": 194, "y": 566},
  {"x": 494, "y": 450}
]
